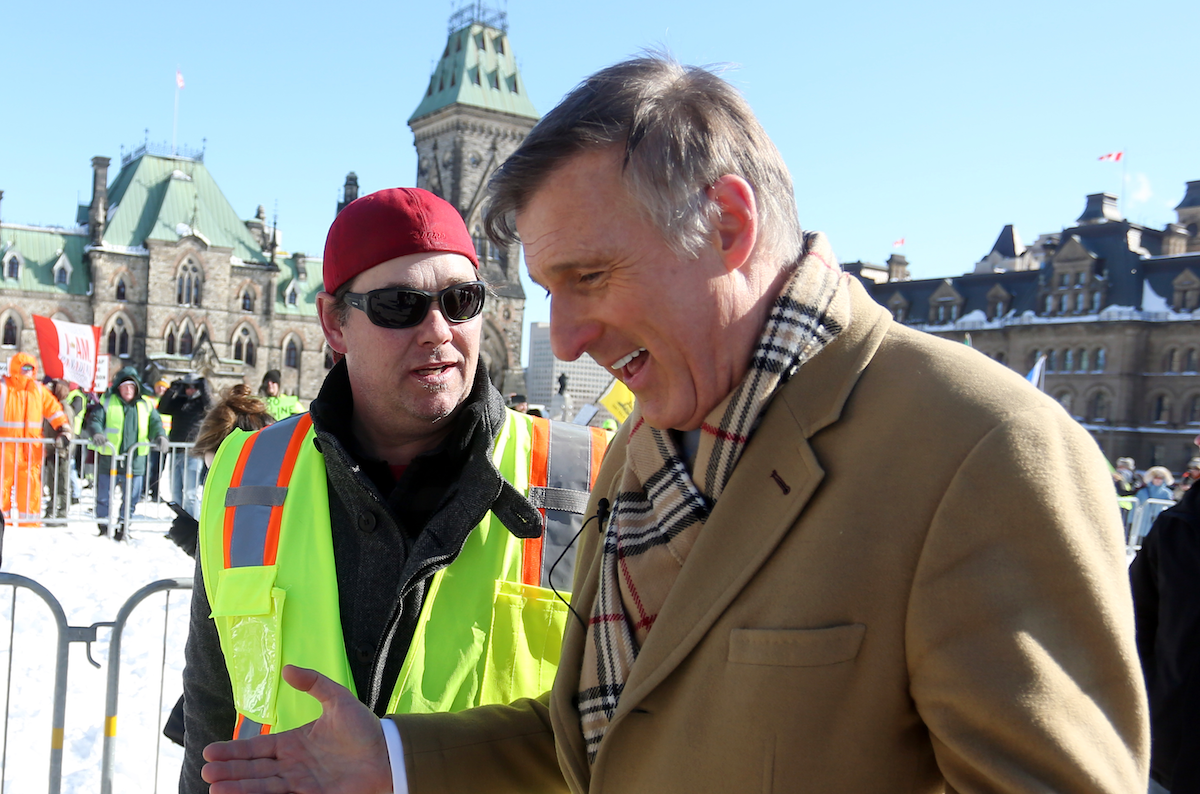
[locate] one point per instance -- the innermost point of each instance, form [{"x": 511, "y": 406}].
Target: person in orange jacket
[{"x": 26, "y": 404}]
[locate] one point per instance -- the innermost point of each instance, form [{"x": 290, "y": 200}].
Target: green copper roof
[
  {"x": 306, "y": 289},
  {"x": 37, "y": 252},
  {"x": 477, "y": 69},
  {"x": 167, "y": 198}
]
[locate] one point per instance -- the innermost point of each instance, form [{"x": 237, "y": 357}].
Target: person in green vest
[
  {"x": 391, "y": 537},
  {"x": 279, "y": 405},
  {"x": 124, "y": 419}
]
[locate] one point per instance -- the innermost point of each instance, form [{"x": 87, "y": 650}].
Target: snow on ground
[{"x": 92, "y": 577}]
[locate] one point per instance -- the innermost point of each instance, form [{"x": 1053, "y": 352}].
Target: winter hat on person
[
  {"x": 127, "y": 373},
  {"x": 272, "y": 376},
  {"x": 388, "y": 224}
]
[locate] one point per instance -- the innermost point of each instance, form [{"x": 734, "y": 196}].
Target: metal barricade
[
  {"x": 72, "y": 483},
  {"x": 114, "y": 676},
  {"x": 1140, "y": 519},
  {"x": 66, "y": 635}
]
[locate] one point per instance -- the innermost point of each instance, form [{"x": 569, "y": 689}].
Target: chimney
[
  {"x": 1101, "y": 208},
  {"x": 1174, "y": 239},
  {"x": 897, "y": 265},
  {"x": 301, "y": 270},
  {"x": 98, "y": 211},
  {"x": 349, "y": 191}
]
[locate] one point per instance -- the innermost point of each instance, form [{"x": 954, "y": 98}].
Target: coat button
[{"x": 366, "y": 522}]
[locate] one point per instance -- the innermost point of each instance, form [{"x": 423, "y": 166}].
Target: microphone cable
[{"x": 602, "y": 512}]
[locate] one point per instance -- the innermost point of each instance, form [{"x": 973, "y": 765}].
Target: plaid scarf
[{"x": 660, "y": 510}]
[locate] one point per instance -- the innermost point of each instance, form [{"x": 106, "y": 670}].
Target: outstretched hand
[{"x": 343, "y": 752}]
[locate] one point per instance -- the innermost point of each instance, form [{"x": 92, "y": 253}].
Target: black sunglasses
[{"x": 401, "y": 307}]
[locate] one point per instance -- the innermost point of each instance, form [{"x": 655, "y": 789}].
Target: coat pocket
[
  {"x": 524, "y": 644},
  {"x": 796, "y": 647},
  {"x": 248, "y": 609}
]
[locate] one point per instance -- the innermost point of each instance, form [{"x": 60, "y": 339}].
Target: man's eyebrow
[{"x": 587, "y": 263}]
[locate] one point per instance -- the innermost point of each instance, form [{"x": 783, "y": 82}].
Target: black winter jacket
[
  {"x": 388, "y": 541},
  {"x": 1165, "y": 578}
]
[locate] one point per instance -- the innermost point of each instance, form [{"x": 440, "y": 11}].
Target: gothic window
[
  {"x": 187, "y": 284},
  {"x": 10, "y": 332},
  {"x": 1049, "y": 304},
  {"x": 243, "y": 347},
  {"x": 1080, "y": 302},
  {"x": 1068, "y": 361},
  {"x": 291, "y": 295},
  {"x": 291, "y": 356},
  {"x": 247, "y": 301},
  {"x": 60, "y": 276},
  {"x": 171, "y": 343},
  {"x": 1063, "y": 303},
  {"x": 1100, "y": 359},
  {"x": 12, "y": 268},
  {"x": 1081, "y": 279},
  {"x": 954, "y": 311},
  {"x": 1096, "y": 298},
  {"x": 1064, "y": 280},
  {"x": 185, "y": 341},
  {"x": 1189, "y": 360},
  {"x": 499, "y": 42},
  {"x": 1052, "y": 361},
  {"x": 1098, "y": 408},
  {"x": 1194, "y": 411},
  {"x": 121, "y": 289},
  {"x": 1083, "y": 359},
  {"x": 118, "y": 339}
]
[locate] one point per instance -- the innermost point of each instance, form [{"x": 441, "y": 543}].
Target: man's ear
[
  {"x": 329, "y": 322},
  {"x": 736, "y": 225}
]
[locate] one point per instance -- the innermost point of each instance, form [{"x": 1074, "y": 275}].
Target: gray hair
[{"x": 682, "y": 128}]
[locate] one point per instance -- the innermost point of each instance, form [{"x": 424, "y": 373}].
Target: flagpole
[
  {"x": 1124, "y": 178},
  {"x": 175, "y": 121}
]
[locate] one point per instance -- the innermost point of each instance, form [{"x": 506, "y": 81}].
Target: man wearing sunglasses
[{"x": 391, "y": 537}]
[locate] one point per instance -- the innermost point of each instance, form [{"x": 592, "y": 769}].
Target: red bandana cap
[{"x": 388, "y": 224}]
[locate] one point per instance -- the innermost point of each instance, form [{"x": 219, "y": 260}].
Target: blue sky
[{"x": 935, "y": 122}]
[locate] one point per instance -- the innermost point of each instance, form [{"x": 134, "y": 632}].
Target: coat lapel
[{"x": 777, "y": 475}]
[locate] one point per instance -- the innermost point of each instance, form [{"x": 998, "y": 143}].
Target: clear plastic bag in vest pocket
[
  {"x": 248, "y": 610},
  {"x": 525, "y": 642}
]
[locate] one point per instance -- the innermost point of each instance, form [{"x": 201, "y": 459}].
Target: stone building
[
  {"x": 474, "y": 113},
  {"x": 1114, "y": 307},
  {"x": 175, "y": 280}
]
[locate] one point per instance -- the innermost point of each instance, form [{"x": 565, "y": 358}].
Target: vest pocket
[
  {"x": 525, "y": 642},
  {"x": 248, "y": 609}
]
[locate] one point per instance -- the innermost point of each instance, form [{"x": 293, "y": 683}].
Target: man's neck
[{"x": 397, "y": 448}]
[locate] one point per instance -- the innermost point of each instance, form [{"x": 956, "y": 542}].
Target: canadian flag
[
  {"x": 898, "y": 243},
  {"x": 179, "y": 79},
  {"x": 68, "y": 350},
  {"x": 1114, "y": 157}
]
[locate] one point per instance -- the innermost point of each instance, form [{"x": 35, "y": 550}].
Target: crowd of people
[{"x": 149, "y": 430}]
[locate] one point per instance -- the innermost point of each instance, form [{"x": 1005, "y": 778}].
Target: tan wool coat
[{"x": 913, "y": 582}]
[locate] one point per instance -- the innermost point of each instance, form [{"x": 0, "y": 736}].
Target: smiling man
[
  {"x": 391, "y": 538},
  {"x": 758, "y": 618}
]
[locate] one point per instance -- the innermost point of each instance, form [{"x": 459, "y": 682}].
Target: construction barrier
[{"x": 65, "y": 635}]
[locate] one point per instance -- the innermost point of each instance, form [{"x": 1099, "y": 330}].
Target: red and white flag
[
  {"x": 1113, "y": 157},
  {"x": 898, "y": 243},
  {"x": 68, "y": 350},
  {"x": 179, "y": 78}
]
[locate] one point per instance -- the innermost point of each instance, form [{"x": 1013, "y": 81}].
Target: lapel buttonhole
[{"x": 783, "y": 486}]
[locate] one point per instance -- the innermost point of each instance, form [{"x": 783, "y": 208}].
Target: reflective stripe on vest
[
  {"x": 564, "y": 462},
  {"x": 563, "y": 459}
]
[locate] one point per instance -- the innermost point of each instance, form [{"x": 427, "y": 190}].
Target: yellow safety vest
[
  {"x": 114, "y": 423},
  {"x": 490, "y": 628}
]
